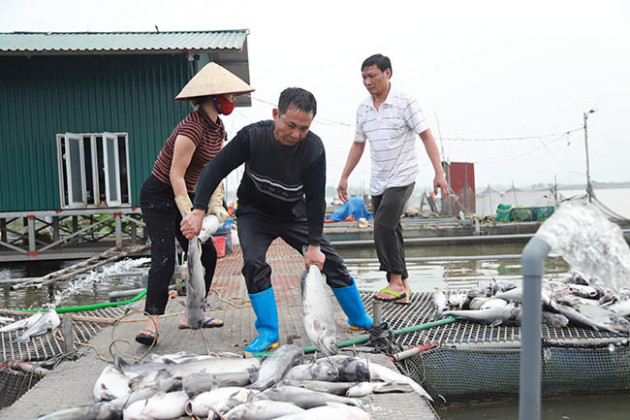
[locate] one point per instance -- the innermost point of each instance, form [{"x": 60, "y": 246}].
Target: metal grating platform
[
  {"x": 463, "y": 333},
  {"x": 50, "y": 345}
]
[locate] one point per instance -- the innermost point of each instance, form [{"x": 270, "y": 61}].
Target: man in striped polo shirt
[{"x": 390, "y": 120}]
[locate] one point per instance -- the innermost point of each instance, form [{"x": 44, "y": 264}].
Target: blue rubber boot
[
  {"x": 264, "y": 305},
  {"x": 351, "y": 303}
]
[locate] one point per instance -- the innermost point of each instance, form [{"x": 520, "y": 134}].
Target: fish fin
[
  {"x": 496, "y": 323},
  {"x": 317, "y": 325}
]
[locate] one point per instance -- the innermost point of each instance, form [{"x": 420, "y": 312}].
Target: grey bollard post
[
  {"x": 68, "y": 336},
  {"x": 376, "y": 312},
  {"x": 532, "y": 267}
]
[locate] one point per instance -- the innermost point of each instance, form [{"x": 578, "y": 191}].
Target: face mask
[{"x": 224, "y": 106}]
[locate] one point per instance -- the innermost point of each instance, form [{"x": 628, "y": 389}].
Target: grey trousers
[{"x": 387, "y": 209}]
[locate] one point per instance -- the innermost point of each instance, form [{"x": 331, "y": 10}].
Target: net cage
[
  {"x": 48, "y": 347},
  {"x": 464, "y": 361},
  {"x": 13, "y": 384},
  {"x": 454, "y": 375}
]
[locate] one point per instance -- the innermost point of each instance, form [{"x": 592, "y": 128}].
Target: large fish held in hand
[
  {"x": 319, "y": 317},
  {"x": 195, "y": 281}
]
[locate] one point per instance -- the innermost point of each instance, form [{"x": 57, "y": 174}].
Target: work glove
[
  {"x": 215, "y": 205},
  {"x": 183, "y": 204}
]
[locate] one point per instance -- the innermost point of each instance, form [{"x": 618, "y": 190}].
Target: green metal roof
[{"x": 121, "y": 42}]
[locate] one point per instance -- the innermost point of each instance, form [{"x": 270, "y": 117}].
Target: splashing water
[
  {"x": 94, "y": 277},
  {"x": 589, "y": 242}
]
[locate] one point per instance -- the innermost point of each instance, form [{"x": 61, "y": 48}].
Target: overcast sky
[{"x": 487, "y": 73}]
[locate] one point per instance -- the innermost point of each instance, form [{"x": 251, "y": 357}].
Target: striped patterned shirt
[
  {"x": 208, "y": 138},
  {"x": 392, "y": 132}
]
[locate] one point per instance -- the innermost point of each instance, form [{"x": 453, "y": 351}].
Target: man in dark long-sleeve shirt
[{"x": 281, "y": 194}]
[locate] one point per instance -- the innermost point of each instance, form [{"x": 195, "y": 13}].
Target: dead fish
[
  {"x": 492, "y": 316},
  {"x": 306, "y": 398},
  {"x": 98, "y": 411},
  {"x": 440, "y": 302},
  {"x": 198, "y": 382},
  {"x": 335, "y": 388},
  {"x": 111, "y": 384},
  {"x": 555, "y": 320},
  {"x": 383, "y": 373},
  {"x": 22, "y": 323},
  {"x": 49, "y": 321},
  {"x": 276, "y": 365},
  {"x": 195, "y": 285},
  {"x": 217, "y": 400},
  {"x": 314, "y": 371},
  {"x": 330, "y": 411},
  {"x": 362, "y": 389},
  {"x": 262, "y": 410},
  {"x": 170, "y": 405},
  {"x": 6, "y": 320},
  {"x": 319, "y": 319}
]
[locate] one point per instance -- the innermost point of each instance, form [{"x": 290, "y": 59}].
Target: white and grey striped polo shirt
[{"x": 392, "y": 132}]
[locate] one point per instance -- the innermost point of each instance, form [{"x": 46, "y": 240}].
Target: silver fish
[
  {"x": 491, "y": 316},
  {"x": 383, "y": 373},
  {"x": 440, "y": 302},
  {"x": 98, "y": 411},
  {"x": 170, "y": 405},
  {"x": 362, "y": 389},
  {"x": 277, "y": 364},
  {"x": 6, "y": 320},
  {"x": 22, "y": 323},
  {"x": 218, "y": 400},
  {"x": 555, "y": 320},
  {"x": 493, "y": 303},
  {"x": 49, "y": 321},
  {"x": 195, "y": 285},
  {"x": 198, "y": 382},
  {"x": 262, "y": 410},
  {"x": 330, "y": 411},
  {"x": 335, "y": 388},
  {"x": 621, "y": 307},
  {"x": 218, "y": 365},
  {"x": 111, "y": 384},
  {"x": 325, "y": 371},
  {"x": 350, "y": 368},
  {"x": 579, "y": 318},
  {"x": 209, "y": 226},
  {"x": 306, "y": 398},
  {"x": 319, "y": 319}
]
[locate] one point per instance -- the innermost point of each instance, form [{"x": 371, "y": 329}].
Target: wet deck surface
[{"x": 71, "y": 382}]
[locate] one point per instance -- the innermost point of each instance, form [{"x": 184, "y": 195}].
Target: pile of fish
[
  {"x": 37, "y": 324},
  {"x": 573, "y": 300},
  {"x": 229, "y": 386}
]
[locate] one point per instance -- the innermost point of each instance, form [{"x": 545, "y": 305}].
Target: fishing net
[
  {"x": 452, "y": 374},
  {"x": 13, "y": 384}
]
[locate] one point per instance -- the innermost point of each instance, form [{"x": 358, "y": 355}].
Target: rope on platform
[{"x": 235, "y": 298}]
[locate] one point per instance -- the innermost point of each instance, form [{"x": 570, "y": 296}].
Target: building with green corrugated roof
[{"x": 83, "y": 117}]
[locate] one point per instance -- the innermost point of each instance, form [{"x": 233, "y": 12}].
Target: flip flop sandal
[
  {"x": 147, "y": 339},
  {"x": 397, "y": 296},
  {"x": 206, "y": 324}
]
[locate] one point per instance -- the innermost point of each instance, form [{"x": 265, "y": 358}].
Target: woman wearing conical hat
[{"x": 166, "y": 195}]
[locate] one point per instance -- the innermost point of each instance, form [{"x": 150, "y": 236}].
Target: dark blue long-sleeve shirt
[{"x": 281, "y": 181}]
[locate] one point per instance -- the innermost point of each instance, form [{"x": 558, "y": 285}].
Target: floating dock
[{"x": 70, "y": 383}]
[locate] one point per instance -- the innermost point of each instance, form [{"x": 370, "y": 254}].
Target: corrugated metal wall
[{"x": 43, "y": 96}]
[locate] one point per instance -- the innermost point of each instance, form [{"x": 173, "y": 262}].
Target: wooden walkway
[{"x": 71, "y": 382}]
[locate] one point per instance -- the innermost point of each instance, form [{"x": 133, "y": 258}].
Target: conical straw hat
[{"x": 213, "y": 79}]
